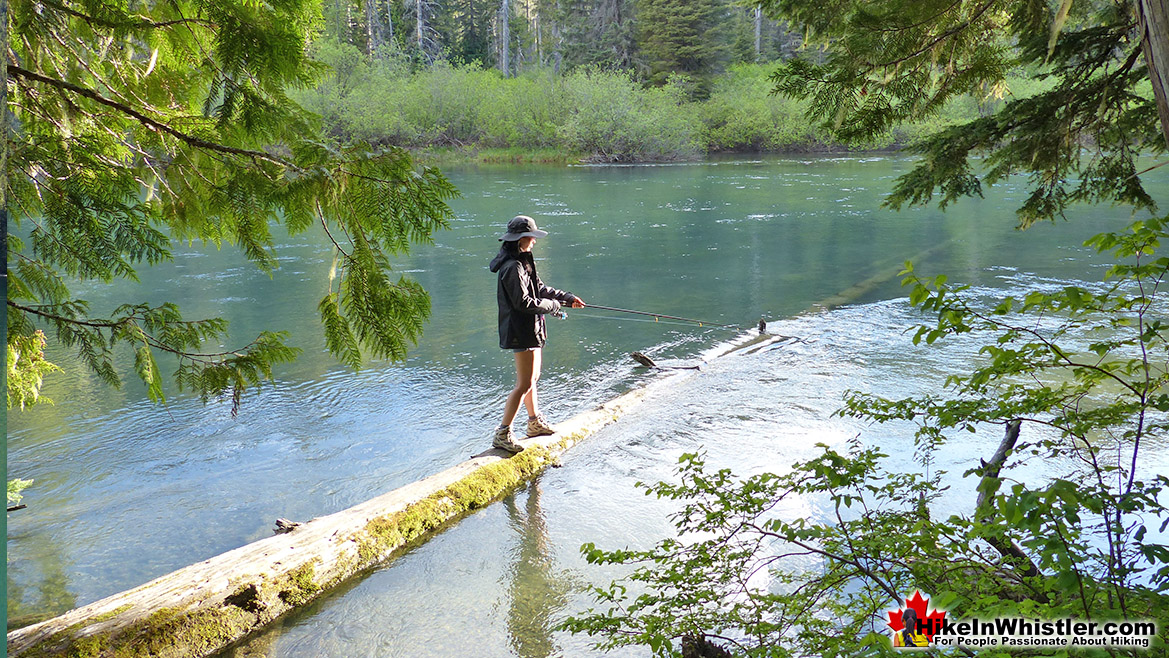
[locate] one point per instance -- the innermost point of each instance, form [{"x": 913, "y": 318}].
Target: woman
[
  {"x": 523, "y": 300},
  {"x": 909, "y": 635}
]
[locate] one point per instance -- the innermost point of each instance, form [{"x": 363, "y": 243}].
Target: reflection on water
[
  {"x": 537, "y": 588},
  {"x": 52, "y": 591},
  {"x": 497, "y": 582},
  {"x": 126, "y": 491}
]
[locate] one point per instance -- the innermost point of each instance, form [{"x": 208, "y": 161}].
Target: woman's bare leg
[
  {"x": 530, "y": 397},
  {"x": 525, "y": 363}
]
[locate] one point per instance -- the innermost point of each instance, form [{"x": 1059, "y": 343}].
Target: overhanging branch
[
  {"x": 141, "y": 24},
  {"x": 149, "y": 122}
]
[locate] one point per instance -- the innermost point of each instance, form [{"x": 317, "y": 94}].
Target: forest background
[{"x": 566, "y": 80}]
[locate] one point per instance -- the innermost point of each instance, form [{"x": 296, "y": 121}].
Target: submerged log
[
  {"x": 649, "y": 363},
  {"x": 284, "y": 525},
  {"x": 643, "y": 359},
  {"x": 203, "y": 608}
]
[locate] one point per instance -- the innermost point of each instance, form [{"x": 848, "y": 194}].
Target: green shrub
[
  {"x": 604, "y": 116},
  {"x": 617, "y": 120},
  {"x": 743, "y": 115}
]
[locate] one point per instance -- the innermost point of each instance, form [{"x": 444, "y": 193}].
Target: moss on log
[{"x": 202, "y": 609}]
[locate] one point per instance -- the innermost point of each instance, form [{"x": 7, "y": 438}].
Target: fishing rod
[{"x": 660, "y": 315}]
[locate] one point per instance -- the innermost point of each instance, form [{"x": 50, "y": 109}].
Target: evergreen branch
[
  {"x": 903, "y": 28},
  {"x": 325, "y": 225},
  {"x": 142, "y": 24},
  {"x": 206, "y": 56},
  {"x": 1145, "y": 171},
  {"x": 362, "y": 176},
  {"x": 38, "y": 110},
  {"x": 1127, "y": 66},
  {"x": 941, "y": 37},
  {"x": 83, "y": 63},
  {"x": 39, "y": 312},
  {"x": 80, "y": 256},
  {"x": 130, "y": 321},
  {"x": 149, "y": 122}
]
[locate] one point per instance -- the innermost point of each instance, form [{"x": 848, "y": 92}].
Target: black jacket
[{"x": 523, "y": 300}]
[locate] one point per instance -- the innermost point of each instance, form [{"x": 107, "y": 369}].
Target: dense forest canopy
[{"x": 651, "y": 37}]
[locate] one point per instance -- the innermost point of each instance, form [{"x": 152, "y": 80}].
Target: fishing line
[
  {"x": 613, "y": 317},
  {"x": 656, "y": 316}
]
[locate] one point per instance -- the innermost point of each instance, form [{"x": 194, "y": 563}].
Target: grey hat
[{"x": 522, "y": 226}]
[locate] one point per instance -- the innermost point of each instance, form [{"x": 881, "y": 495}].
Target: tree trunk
[
  {"x": 373, "y": 28},
  {"x": 758, "y": 33},
  {"x": 349, "y": 24},
  {"x": 557, "y": 43},
  {"x": 537, "y": 31},
  {"x": 504, "y": 38},
  {"x": 390, "y": 22},
  {"x": 4, "y": 129},
  {"x": 991, "y": 469},
  {"x": 1154, "y": 26},
  {"x": 419, "y": 22}
]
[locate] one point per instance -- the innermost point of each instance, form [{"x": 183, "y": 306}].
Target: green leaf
[{"x": 148, "y": 372}]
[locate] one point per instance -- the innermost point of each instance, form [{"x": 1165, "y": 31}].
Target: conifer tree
[
  {"x": 896, "y": 60},
  {"x": 598, "y": 33},
  {"x": 469, "y": 35},
  {"x": 682, "y": 37},
  {"x": 138, "y": 124}
]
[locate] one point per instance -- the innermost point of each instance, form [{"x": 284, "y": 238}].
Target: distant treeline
[
  {"x": 650, "y": 39},
  {"x": 589, "y": 112}
]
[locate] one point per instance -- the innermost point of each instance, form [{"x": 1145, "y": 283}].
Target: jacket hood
[
  {"x": 499, "y": 260},
  {"x": 502, "y": 257}
]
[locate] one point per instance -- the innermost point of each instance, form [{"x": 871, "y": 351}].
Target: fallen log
[{"x": 201, "y": 609}]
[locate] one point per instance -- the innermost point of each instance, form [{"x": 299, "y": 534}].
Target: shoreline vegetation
[{"x": 450, "y": 113}]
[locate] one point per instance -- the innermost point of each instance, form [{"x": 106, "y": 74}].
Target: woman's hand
[{"x": 578, "y": 303}]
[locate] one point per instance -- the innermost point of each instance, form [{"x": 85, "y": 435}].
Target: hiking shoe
[
  {"x": 539, "y": 427},
  {"x": 505, "y": 440}
]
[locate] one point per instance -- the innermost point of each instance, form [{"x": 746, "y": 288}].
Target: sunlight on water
[
  {"x": 126, "y": 491},
  {"x": 495, "y": 583}
]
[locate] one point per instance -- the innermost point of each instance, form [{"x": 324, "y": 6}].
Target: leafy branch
[{"x": 1071, "y": 544}]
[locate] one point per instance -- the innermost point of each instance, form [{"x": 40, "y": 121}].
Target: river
[{"x": 126, "y": 490}]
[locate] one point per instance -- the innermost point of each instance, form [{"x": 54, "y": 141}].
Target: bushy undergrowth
[
  {"x": 742, "y": 115},
  {"x": 598, "y": 115}
]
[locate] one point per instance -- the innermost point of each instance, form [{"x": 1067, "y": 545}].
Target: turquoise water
[{"x": 126, "y": 490}]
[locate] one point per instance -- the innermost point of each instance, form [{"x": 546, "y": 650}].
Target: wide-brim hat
[{"x": 522, "y": 226}]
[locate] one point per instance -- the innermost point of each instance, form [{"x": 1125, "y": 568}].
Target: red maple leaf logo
[{"x": 931, "y": 622}]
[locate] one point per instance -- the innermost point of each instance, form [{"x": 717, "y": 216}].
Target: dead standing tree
[
  {"x": 424, "y": 34},
  {"x": 505, "y": 38},
  {"x": 375, "y": 33}
]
